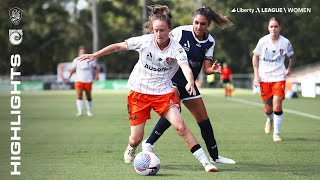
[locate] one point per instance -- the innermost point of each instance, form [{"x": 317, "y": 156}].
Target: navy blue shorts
[{"x": 184, "y": 95}]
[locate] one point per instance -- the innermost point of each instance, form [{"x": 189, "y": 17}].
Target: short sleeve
[
  {"x": 290, "y": 51},
  {"x": 74, "y": 63},
  {"x": 181, "y": 55},
  {"x": 258, "y": 49},
  {"x": 176, "y": 33},
  {"x": 135, "y": 43},
  {"x": 210, "y": 53}
]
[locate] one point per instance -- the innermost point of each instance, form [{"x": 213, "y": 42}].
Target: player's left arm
[
  {"x": 189, "y": 76},
  {"x": 210, "y": 68},
  {"x": 96, "y": 72},
  {"x": 292, "y": 60}
]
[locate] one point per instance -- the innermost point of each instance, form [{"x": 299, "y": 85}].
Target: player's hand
[
  {"x": 256, "y": 81},
  {"x": 190, "y": 89},
  {"x": 216, "y": 67},
  {"x": 88, "y": 57},
  {"x": 288, "y": 72}
]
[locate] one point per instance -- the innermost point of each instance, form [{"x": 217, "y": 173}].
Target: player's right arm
[
  {"x": 105, "y": 51},
  {"x": 255, "y": 64},
  {"x": 73, "y": 70}
]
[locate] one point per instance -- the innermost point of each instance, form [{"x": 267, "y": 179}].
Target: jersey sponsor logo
[
  {"x": 156, "y": 69},
  {"x": 160, "y": 59}
]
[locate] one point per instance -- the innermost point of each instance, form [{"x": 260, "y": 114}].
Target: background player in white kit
[
  {"x": 150, "y": 82},
  {"x": 270, "y": 74},
  {"x": 83, "y": 81}
]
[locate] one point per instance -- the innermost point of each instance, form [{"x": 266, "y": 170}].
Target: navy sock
[
  {"x": 208, "y": 137},
  {"x": 162, "y": 125}
]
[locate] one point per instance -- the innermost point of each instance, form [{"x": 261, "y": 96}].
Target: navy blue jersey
[{"x": 197, "y": 51}]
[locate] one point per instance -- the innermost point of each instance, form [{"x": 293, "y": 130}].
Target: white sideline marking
[{"x": 284, "y": 109}]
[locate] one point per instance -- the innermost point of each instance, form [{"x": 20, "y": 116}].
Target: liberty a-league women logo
[{"x": 15, "y": 15}]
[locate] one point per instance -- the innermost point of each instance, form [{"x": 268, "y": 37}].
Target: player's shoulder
[
  {"x": 283, "y": 39},
  {"x": 210, "y": 38}
]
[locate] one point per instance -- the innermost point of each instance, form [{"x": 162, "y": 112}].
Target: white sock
[
  {"x": 270, "y": 116},
  {"x": 201, "y": 156},
  {"x": 79, "y": 105},
  {"x": 277, "y": 122},
  {"x": 89, "y": 105}
]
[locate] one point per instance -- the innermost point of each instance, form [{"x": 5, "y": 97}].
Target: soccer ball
[{"x": 146, "y": 163}]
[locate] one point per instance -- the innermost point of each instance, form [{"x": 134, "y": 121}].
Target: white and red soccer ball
[{"x": 146, "y": 163}]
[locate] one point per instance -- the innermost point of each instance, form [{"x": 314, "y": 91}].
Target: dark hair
[
  {"x": 275, "y": 19},
  {"x": 157, "y": 12},
  {"x": 211, "y": 15}
]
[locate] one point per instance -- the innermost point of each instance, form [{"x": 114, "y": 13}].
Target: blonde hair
[
  {"x": 211, "y": 15},
  {"x": 157, "y": 12}
]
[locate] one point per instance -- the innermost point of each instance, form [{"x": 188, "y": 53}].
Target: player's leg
[
  {"x": 138, "y": 113},
  {"x": 279, "y": 94},
  {"x": 268, "y": 111},
  {"x": 174, "y": 117},
  {"x": 199, "y": 112},
  {"x": 266, "y": 96},
  {"x": 135, "y": 139},
  {"x": 162, "y": 125},
  {"x": 88, "y": 89},
  {"x": 79, "y": 102}
]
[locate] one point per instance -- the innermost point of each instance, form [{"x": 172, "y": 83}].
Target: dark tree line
[{"x": 52, "y": 33}]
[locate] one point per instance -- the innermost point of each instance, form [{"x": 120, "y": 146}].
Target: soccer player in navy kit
[{"x": 199, "y": 46}]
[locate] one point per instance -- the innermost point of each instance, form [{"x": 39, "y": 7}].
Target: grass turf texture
[{"x": 58, "y": 145}]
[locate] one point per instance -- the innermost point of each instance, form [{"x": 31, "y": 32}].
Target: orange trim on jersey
[
  {"x": 270, "y": 89},
  {"x": 139, "y": 105},
  {"x": 83, "y": 86}
]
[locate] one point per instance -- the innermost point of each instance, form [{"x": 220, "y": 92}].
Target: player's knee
[{"x": 181, "y": 129}]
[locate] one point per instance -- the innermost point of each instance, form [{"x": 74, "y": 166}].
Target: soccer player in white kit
[
  {"x": 83, "y": 81},
  {"x": 270, "y": 74},
  {"x": 150, "y": 82}
]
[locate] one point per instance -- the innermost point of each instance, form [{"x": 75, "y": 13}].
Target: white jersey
[
  {"x": 153, "y": 72},
  {"x": 84, "y": 70},
  {"x": 272, "y": 57}
]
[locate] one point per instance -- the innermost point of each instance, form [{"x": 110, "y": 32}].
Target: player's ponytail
[
  {"x": 157, "y": 12},
  {"x": 211, "y": 15}
]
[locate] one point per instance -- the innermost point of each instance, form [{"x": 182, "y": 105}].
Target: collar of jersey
[{"x": 195, "y": 38}]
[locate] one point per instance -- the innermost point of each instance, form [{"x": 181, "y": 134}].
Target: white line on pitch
[{"x": 285, "y": 110}]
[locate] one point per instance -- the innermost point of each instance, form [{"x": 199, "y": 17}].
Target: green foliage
[{"x": 52, "y": 32}]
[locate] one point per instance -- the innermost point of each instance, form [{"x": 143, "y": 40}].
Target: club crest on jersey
[
  {"x": 281, "y": 52},
  {"x": 149, "y": 56},
  {"x": 169, "y": 60}
]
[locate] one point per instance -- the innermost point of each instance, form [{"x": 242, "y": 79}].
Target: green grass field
[{"x": 58, "y": 145}]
